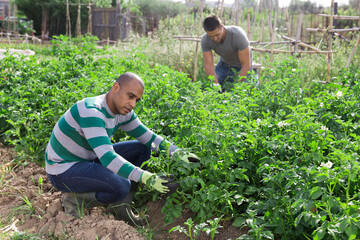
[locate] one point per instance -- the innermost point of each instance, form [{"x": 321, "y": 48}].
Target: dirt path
[{"x": 29, "y": 203}]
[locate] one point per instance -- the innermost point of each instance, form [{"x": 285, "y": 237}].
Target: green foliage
[
  {"x": 159, "y": 9},
  {"x": 194, "y": 229},
  {"x": 103, "y": 3},
  {"x": 278, "y": 158}
]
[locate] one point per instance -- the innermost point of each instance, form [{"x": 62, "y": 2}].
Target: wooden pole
[
  {"x": 198, "y": 34},
  {"x": 298, "y": 32},
  {"x": 254, "y": 17},
  {"x": 270, "y": 31},
  {"x": 118, "y": 20},
  {"x": 221, "y": 9},
  {"x": 287, "y": 23},
  {"x": 89, "y": 30},
  {"x": 275, "y": 24},
  {"x": 249, "y": 28},
  {"x": 288, "y": 26},
  {"x": 217, "y": 8},
  {"x": 330, "y": 42},
  {"x": 285, "y": 51},
  {"x": 181, "y": 26},
  {"x": 261, "y": 35},
  {"x": 237, "y": 13},
  {"x": 301, "y": 44},
  {"x": 78, "y": 22},
  {"x": 68, "y": 23},
  {"x": 356, "y": 44}
]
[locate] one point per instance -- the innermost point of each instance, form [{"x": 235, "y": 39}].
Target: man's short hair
[
  {"x": 127, "y": 77},
  {"x": 211, "y": 23}
]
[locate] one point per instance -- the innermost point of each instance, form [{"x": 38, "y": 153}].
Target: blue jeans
[
  {"x": 227, "y": 73},
  {"x": 94, "y": 177}
]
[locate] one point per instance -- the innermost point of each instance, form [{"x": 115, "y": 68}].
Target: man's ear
[{"x": 116, "y": 87}]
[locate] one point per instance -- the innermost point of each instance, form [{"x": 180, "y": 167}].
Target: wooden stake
[
  {"x": 249, "y": 29},
  {"x": 181, "y": 26},
  {"x": 330, "y": 42},
  {"x": 270, "y": 31},
  {"x": 198, "y": 35},
  {"x": 68, "y": 23},
  {"x": 261, "y": 35},
  {"x": 89, "y": 30},
  {"x": 78, "y": 22},
  {"x": 288, "y": 26},
  {"x": 285, "y": 51},
  {"x": 301, "y": 43},
  {"x": 222, "y": 8},
  {"x": 254, "y": 18},
  {"x": 287, "y": 22},
  {"x": 298, "y": 32},
  {"x": 356, "y": 44}
]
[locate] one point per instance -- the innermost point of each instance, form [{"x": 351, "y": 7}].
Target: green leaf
[
  {"x": 352, "y": 237},
  {"x": 320, "y": 234},
  {"x": 316, "y": 192},
  {"x": 239, "y": 221}
]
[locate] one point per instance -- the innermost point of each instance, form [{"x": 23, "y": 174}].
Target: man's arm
[
  {"x": 209, "y": 65},
  {"x": 245, "y": 60}
]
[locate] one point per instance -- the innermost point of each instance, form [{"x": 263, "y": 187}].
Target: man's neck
[{"x": 223, "y": 36}]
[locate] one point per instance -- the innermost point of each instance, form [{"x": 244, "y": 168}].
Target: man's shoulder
[
  {"x": 93, "y": 102},
  {"x": 92, "y": 107},
  {"x": 205, "y": 37},
  {"x": 235, "y": 29}
]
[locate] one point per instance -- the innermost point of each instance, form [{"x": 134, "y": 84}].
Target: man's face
[
  {"x": 217, "y": 34},
  {"x": 126, "y": 96}
]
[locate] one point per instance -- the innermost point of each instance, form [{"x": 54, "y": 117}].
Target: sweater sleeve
[{"x": 135, "y": 128}]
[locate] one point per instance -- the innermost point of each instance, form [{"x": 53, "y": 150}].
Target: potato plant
[{"x": 276, "y": 157}]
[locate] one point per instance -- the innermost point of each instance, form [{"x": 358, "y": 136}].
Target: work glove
[
  {"x": 186, "y": 156},
  {"x": 154, "y": 181}
]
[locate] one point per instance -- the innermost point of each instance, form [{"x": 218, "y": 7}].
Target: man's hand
[
  {"x": 186, "y": 156},
  {"x": 154, "y": 181}
]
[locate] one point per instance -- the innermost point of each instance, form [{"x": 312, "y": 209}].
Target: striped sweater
[{"x": 84, "y": 133}]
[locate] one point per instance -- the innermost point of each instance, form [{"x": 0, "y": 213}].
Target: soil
[{"x": 20, "y": 189}]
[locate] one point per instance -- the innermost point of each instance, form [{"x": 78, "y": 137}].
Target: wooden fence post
[
  {"x": 298, "y": 33},
  {"x": 254, "y": 18},
  {"x": 68, "y": 22},
  {"x": 249, "y": 28},
  {"x": 117, "y": 21},
  {"x": 356, "y": 44},
  {"x": 270, "y": 31},
  {"x": 181, "y": 26},
  {"x": 261, "y": 35},
  {"x": 330, "y": 42},
  {"x": 198, "y": 35},
  {"x": 89, "y": 30},
  {"x": 221, "y": 9},
  {"x": 78, "y": 22}
]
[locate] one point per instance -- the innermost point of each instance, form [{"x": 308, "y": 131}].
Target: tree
[
  {"x": 41, "y": 18},
  {"x": 51, "y": 19},
  {"x": 300, "y": 6}
]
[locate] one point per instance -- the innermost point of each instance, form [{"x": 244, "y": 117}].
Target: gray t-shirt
[{"x": 235, "y": 40}]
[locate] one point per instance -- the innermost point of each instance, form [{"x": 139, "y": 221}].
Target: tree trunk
[{"x": 45, "y": 23}]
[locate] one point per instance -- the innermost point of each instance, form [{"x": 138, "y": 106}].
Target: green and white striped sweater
[{"x": 84, "y": 133}]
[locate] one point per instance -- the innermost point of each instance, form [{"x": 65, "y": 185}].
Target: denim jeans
[
  {"x": 227, "y": 73},
  {"x": 94, "y": 177}
]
